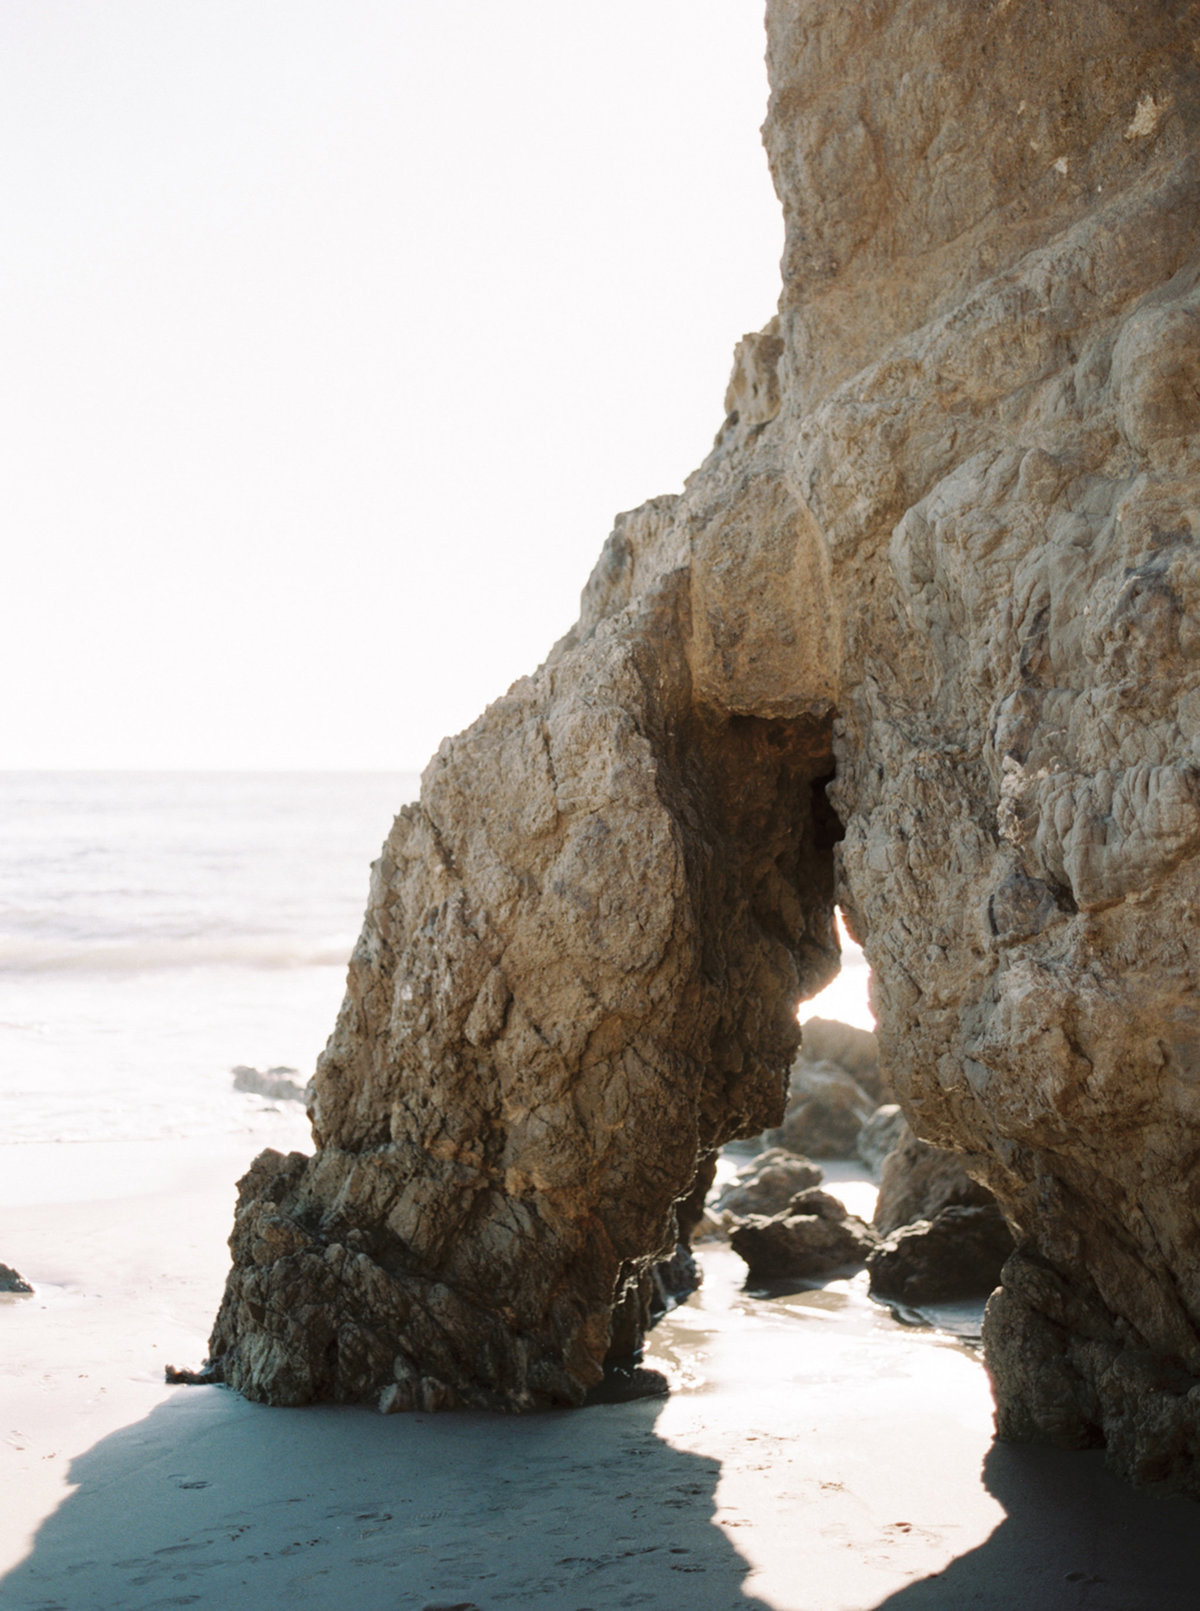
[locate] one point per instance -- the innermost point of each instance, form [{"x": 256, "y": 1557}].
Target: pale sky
[{"x": 335, "y": 332}]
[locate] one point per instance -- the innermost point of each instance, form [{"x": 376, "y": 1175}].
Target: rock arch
[
  {"x": 576, "y": 979},
  {"x": 947, "y": 540}
]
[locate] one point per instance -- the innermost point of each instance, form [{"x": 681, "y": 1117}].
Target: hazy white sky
[{"x": 334, "y": 334}]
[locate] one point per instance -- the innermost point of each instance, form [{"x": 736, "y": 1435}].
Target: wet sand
[{"x": 814, "y": 1455}]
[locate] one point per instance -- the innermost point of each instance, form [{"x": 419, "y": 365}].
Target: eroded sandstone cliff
[{"x": 948, "y": 538}]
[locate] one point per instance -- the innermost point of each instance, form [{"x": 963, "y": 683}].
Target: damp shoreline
[{"x": 813, "y": 1454}]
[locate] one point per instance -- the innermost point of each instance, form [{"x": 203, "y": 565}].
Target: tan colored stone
[
  {"x": 990, "y": 318},
  {"x": 953, "y": 520},
  {"x": 544, "y": 1035},
  {"x": 826, "y": 1112},
  {"x": 768, "y": 1185},
  {"x": 880, "y": 1135}
]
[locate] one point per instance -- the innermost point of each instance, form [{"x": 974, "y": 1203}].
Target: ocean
[{"x": 158, "y": 929}]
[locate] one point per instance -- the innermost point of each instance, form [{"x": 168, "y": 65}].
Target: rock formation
[
  {"x": 826, "y": 1112},
  {"x": 767, "y": 1184},
  {"x": 881, "y": 1135},
  {"x": 827, "y": 1040},
  {"x": 947, "y": 538},
  {"x": 991, "y": 330},
  {"x": 814, "y": 1237},
  {"x": 577, "y": 977},
  {"x": 957, "y": 1254},
  {"x": 10, "y": 1281},
  {"x": 917, "y": 1181}
]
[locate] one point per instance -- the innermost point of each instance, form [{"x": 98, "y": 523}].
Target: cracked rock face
[{"x": 948, "y": 535}]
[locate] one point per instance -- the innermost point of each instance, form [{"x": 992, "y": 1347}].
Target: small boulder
[
  {"x": 855, "y": 1050},
  {"x": 813, "y": 1238},
  {"x": 276, "y": 1084},
  {"x": 768, "y": 1184},
  {"x": 826, "y": 1110},
  {"x": 821, "y": 1203},
  {"x": 880, "y": 1135},
  {"x": 956, "y": 1255},
  {"x": 916, "y": 1181},
  {"x": 10, "y": 1281}
]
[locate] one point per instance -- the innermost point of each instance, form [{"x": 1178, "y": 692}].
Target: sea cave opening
[{"x": 837, "y": 1218}]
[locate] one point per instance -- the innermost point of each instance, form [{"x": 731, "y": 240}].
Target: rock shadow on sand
[
  {"x": 212, "y": 1501},
  {"x": 1075, "y": 1538}
]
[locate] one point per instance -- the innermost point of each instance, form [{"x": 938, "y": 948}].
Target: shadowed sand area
[{"x": 813, "y": 1454}]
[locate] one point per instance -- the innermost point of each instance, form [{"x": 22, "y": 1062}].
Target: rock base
[
  {"x": 1066, "y": 1371},
  {"x": 958, "y": 1254},
  {"x": 814, "y": 1238}
]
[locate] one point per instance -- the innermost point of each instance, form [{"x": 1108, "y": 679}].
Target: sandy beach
[
  {"x": 813, "y": 1455},
  {"x": 533, "y": 526}
]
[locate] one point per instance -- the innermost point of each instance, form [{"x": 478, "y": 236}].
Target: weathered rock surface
[
  {"x": 768, "y": 1184},
  {"x": 10, "y": 1281},
  {"x": 944, "y": 1236},
  {"x": 952, "y": 518},
  {"x": 814, "y": 1237},
  {"x": 957, "y": 1254},
  {"x": 881, "y": 1134},
  {"x": 916, "y": 1181}
]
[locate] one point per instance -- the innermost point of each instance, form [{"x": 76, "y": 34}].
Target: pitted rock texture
[{"x": 954, "y": 510}]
